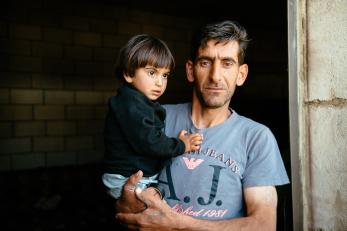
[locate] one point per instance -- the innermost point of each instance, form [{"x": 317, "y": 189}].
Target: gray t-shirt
[{"x": 235, "y": 154}]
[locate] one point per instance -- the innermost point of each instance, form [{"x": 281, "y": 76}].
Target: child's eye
[
  {"x": 151, "y": 73},
  {"x": 165, "y": 76}
]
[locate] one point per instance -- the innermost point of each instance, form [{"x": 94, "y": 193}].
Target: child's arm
[
  {"x": 191, "y": 141},
  {"x": 141, "y": 128}
]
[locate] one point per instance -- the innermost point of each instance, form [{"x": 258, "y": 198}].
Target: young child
[{"x": 134, "y": 128}]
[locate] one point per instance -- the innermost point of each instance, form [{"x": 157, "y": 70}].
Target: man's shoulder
[{"x": 250, "y": 124}]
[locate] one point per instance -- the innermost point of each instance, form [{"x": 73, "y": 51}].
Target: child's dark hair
[{"x": 142, "y": 50}]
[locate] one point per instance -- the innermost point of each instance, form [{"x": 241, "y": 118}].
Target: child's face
[{"x": 149, "y": 80}]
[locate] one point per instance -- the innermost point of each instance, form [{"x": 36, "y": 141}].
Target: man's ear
[
  {"x": 242, "y": 76},
  {"x": 189, "y": 71},
  {"x": 127, "y": 78}
]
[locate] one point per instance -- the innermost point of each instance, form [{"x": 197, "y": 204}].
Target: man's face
[{"x": 216, "y": 73}]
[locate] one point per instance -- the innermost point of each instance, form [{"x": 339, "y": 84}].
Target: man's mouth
[{"x": 214, "y": 89}]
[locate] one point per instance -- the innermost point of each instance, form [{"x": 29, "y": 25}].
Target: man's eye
[
  {"x": 204, "y": 63},
  {"x": 228, "y": 64}
]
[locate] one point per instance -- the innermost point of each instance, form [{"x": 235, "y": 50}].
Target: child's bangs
[{"x": 157, "y": 57}]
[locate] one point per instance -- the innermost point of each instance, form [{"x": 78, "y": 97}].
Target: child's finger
[
  {"x": 196, "y": 135},
  {"x": 196, "y": 139}
]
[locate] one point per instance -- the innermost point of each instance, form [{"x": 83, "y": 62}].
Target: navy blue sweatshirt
[{"x": 134, "y": 134}]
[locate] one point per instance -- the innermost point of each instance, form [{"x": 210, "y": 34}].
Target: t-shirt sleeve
[{"x": 264, "y": 162}]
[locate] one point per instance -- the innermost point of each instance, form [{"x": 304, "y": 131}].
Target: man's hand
[
  {"x": 128, "y": 202},
  {"x": 158, "y": 215}
]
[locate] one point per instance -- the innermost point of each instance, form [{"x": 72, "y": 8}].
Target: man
[{"x": 229, "y": 184}]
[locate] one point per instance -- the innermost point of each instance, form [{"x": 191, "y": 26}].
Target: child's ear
[{"x": 128, "y": 78}]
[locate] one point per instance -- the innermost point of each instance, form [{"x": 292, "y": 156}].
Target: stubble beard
[{"x": 212, "y": 101}]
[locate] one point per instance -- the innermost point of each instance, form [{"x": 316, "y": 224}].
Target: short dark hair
[
  {"x": 221, "y": 32},
  {"x": 142, "y": 50}
]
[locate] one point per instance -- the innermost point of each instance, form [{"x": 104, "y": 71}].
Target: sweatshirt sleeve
[{"x": 139, "y": 124}]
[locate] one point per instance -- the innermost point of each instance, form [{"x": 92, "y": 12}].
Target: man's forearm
[
  {"x": 261, "y": 215},
  {"x": 266, "y": 222}
]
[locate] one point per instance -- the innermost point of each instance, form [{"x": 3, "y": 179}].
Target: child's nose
[{"x": 159, "y": 81}]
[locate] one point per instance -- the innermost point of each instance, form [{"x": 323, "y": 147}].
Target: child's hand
[{"x": 191, "y": 141}]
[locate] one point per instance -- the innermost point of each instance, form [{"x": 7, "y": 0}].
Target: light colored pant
[{"x": 115, "y": 182}]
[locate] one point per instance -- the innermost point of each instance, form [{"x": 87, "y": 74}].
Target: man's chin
[{"x": 214, "y": 104}]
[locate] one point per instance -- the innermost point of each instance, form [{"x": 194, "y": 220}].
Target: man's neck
[{"x": 204, "y": 117}]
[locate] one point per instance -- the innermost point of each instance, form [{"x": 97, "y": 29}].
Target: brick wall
[{"x": 56, "y": 61}]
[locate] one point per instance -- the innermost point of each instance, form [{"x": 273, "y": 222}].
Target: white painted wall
[{"x": 318, "y": 100}]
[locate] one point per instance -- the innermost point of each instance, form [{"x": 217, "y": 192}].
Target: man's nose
[{"x": 215, "y": 74}]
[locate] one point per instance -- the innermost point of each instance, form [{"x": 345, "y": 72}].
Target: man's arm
[{"x": 261, "y": 203}]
